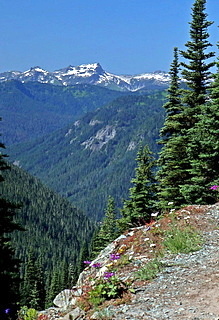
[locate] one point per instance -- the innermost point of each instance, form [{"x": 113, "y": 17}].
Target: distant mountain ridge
[
  {"x": 91, "y": 74},
  {"x": 35, "y": 109}
]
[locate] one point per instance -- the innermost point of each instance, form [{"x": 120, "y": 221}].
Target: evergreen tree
[
  {"x": 65, "y": 275},
  {"x": 59, "y": 282},
  {"x": 196, "y": 70},
  {"x": 197, "y": 74},
  {"x": 142, "y": 200},
  {"x": 108, "y": 228},
  {"x": 9, "y": 265},
  {"x": 33, "y": 288},
  {"x": 176, "y": 159},
  {"x": 72, "y": 275},
  {"x": 84, "y": 255},
  {"x": 203, "y": 149},
  {"x": 107, "y": 231},
  {"x": 171, "y": 172},
  {"x": 173, "y": 106},
  {"x": 54, "y": 288},
  {"x": 96, "y": 245}
]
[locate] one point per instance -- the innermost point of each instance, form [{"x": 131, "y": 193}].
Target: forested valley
[{"x": 117, "y": 161}]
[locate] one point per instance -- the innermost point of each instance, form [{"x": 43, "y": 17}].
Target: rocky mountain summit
[
  {"x": 91, "y": 74},
  {"x": 168, "y": 269}
]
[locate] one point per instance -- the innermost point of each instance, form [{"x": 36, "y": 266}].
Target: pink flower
[
  {"x": 87, "y": 262},
  {"x": 215, "y": 187},
  {"x": 114, "y": 256},
  {"x": 108, "y": 275},
  {"x": 96, "y": 265}
]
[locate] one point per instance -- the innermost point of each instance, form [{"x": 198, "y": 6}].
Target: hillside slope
[
  {"x": 184, "y": 285},
  {"x": 33, "y": 109},
  {"x": 95, "y": 156},
  {"x": 54, "y": 229}
]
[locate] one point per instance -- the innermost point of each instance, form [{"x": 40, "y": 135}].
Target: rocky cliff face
[{"x": 155, "y": 283}]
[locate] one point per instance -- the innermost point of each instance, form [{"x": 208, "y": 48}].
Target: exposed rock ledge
[{"x": 186, "y": 288}]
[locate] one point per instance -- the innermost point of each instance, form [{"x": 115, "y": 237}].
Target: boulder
[{"x": 65, "y": 299}]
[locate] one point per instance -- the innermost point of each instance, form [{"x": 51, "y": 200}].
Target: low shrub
[
  {"x": 150, "y": 270},
  {"x": 26, "y": 313},
  {"x": 109, "y": 287},
  {"x": 182, "y": 240}
]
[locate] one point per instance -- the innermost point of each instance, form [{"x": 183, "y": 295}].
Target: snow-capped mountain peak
[{"x": 91, "y": 73}]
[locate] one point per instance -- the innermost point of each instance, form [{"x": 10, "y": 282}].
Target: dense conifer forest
[
  {"x": 95, "y": 156},
  {"x": 36, "y": 109},
  {"x": 84, "y": 162},
  {"x": 53, "y": 233}
]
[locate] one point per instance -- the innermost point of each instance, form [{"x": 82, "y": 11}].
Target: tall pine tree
[
  {"x": 203, "y": 149},
  {"x": 141, "y": 204},
  {"x": 176, "y": 158},
  {"x": 173, "y": 106},
  {"x": 171, "y": 162},
  {"x": 197, "y": 74},
  {"x": 107, "y": 231},
  {"x": 33, "y": 286},
  {"x": 196, "y": 70},
  {"x": 9, "y": 265}
]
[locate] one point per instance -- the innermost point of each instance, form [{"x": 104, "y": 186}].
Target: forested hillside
[
  {"x": 36, "y": 109},
  {"x": 94, "y": 157},
  {"x": 54, "y": 230}
]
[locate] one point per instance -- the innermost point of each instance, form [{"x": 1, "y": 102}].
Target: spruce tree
[
  {"x": 197, "y": 74},
  {"x": 203, "y": 149},
  {"x": 96, "y": 245},
  {"x": 108, "y": 228},
  {"x": 141, "y": 204},
  {"x": 176, "y": 159},
  {"x": 196, "y": 70},
  {"x": 107, "y": 231},
  {"x": 171, "y": 165},
  {"x": 173, "y": 106},
  {"x": 33, "y": 287},
  {"x": 9, "y": 265},
  {"x": 54, "y": 288},
  {"x": 83, "y": 255}
]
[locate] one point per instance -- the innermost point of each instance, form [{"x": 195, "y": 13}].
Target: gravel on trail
[{"x": 187, "y": 288}]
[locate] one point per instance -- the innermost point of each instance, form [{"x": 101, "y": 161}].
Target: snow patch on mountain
[{"x": 92, "y": 73}]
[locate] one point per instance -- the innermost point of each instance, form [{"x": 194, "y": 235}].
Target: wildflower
[
  {"x": 110, "y": 264},
  {"x": 154, "y": 214},
  {"x": 108, "y": 275},
  {"x": 96, "y": 265},
  {"x": 215, "y": 187},
  {"x": 122, "y": 249},
  {"x": 87, "y": 262},
  {"x": 7, "y": 311},
  {"x": 170, "y": 203},
  {"x": 114, "y": 256}
]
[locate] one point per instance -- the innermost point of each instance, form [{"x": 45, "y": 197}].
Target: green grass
[
  {"x": 184, "y": 240},
  {"x": 150, "y": 270}
]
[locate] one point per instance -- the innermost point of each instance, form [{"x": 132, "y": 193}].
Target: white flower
[{"x": 154, "y": 214}]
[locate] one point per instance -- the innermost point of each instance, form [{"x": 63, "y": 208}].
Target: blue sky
[{"x": 124, "y": 36}]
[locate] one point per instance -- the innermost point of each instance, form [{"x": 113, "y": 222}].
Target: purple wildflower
[
  {"x": 7, "y": 311},
  {"x": 215, "y": 187},
  {"x": 114, "y": 256},
  {"x": 108, "y": 275},
  {"x": 96, "y": 265},
  {"x": 87, "y": 262}
]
